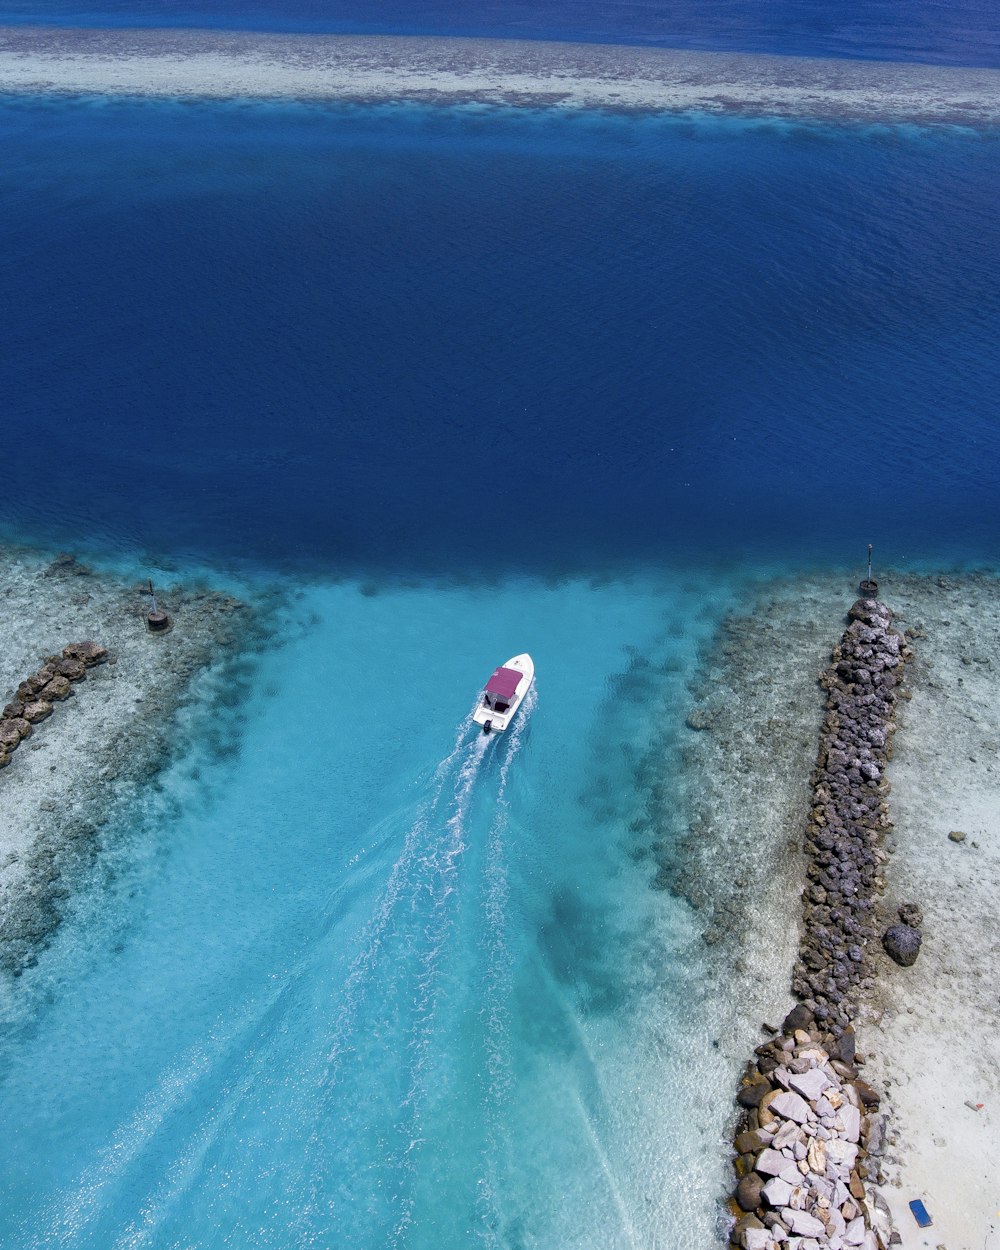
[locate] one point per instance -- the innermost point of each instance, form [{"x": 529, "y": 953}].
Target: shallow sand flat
[
  {"x": 98, "y": 746},
  {"x": 936, "y": 1040},
  {"x": 490, "y": 71}
]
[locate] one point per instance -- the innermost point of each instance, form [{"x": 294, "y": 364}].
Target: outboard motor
[{"x": 487, "y": 726}]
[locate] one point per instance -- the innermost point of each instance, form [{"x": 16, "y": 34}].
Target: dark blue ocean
[
  {"x": 946, "y": 32},
  {"x": 460, "y": 339},
  {"x": 459, "y": 383}
]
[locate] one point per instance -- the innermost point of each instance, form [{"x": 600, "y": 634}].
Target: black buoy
[
  {"x": 869, "y": 587},
  {"x": 157, "y": 621}
]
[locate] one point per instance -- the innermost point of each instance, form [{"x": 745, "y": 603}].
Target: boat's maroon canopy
[{"x": 504, "y": 682}]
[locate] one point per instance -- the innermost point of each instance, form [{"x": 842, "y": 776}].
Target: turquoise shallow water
[{"x": 381, "y": 981}]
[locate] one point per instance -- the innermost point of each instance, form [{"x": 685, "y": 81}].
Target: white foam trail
[
  {"x": 497, "y": 990},
  {"x": 424, "y": 873},
  {"x": 375, "y": 931},
  {"x": 443, "y": 864}
]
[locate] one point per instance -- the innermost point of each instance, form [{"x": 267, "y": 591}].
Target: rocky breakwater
[
  {"x": 808, "y": 1139},
  {"x": 36, "y": 696},
  {"x": 808, "y": 1143},
  {"x": 849, "y": 815}
]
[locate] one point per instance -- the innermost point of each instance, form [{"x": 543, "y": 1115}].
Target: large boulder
[
  {"x": 748, "y": 1191},
  {"x": 799, "y": 1017},
  {"x": 34, "y": 712},
  {"x": 58, "y": 688},
  {"x": 752, "y": 1094},
  {"x": 89, "y": 653},
  {"x": 12, "y": 731},
  {"x": 902, "y": 944}
]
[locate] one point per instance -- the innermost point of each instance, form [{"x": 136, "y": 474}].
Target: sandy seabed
[
  {"x": 245, "y": 64},
  {"x": 90, "y": 759}
]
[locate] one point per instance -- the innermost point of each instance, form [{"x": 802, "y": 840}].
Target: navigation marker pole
[
  {"x": 157, "y": 620},
  {"x": 869, "y": 587}
]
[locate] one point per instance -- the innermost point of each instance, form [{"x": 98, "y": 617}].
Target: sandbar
[{"x": 179, "y": 63}]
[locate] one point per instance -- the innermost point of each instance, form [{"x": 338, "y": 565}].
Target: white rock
[
  {"x": 790, "y": 1107},
  {"x": 798, "y": 1150},
  {"x": 815, "y": 1054},
  {"x": 780, "y": 1076},
  {"x": 842, "y": 1152},
  {"x": 840, "y": 1195},
  {"x": 834, "y": 1097},
  {"x": 770, "y": 1162},
  {"x": 791, "y": 1173},
  {"x": 851, "y": 1117},
  {"x": 787, "y": 1135},
  {"x": 825, "y": 1108},
  {"x": 777, "y": 1192},
  {"x": 809, "y": 1084},
  {"x": 854, "y": 1234},
  {"x": 757, "y": 1239},
  {"x": 802, "y": 1222}
]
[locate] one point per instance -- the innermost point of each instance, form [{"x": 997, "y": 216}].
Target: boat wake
[
  {"x": 386, "y": 1015},
  {"x": 392, "y": 1009}
]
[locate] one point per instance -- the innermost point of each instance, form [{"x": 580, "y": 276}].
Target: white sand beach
[
  {"x": 243, "y": 64},
  {"x": 936, "y": 1037}
]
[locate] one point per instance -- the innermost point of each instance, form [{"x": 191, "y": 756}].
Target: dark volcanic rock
[
  {"x": 34, "y": 712},
  {"x": 751, "y": 1095},
  {"x": 902, "y": 944},
  {"x": 58, "y": 688},
  {"x": 798, "y": 1018}
]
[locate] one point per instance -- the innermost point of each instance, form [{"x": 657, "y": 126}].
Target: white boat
[{"x": 504, "y": 694}]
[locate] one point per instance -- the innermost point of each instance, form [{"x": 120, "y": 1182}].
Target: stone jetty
[
  {"x": 809, "y": 1137},
  {"x": 849, "y": 814},
  {"x": 38, "y": 694}
]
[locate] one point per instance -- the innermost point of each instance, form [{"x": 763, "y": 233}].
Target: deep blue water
[
  {"x": 950, "y": 32},
  {"x": 463, "y": 340}
]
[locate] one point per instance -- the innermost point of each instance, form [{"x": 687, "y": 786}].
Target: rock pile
[
  {"x": 808, "y": 1141},
  {"x": 34, "y": 698},
  {"x": 849, "y": 814},
  {"x": 809, "y": 1138}
]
